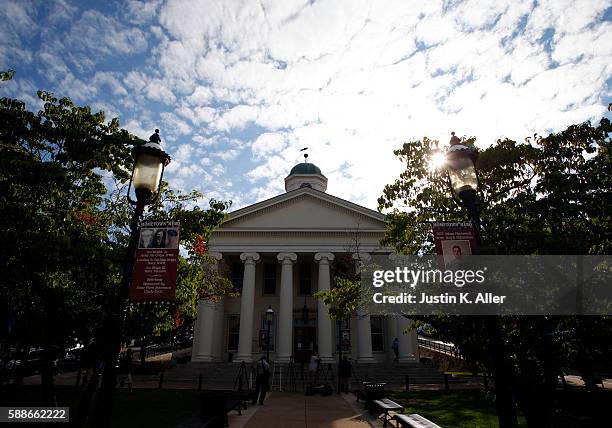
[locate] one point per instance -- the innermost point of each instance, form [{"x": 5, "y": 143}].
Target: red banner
[
  {"x": 454, "y": 240},
  {"x": 155, "y": 262}
]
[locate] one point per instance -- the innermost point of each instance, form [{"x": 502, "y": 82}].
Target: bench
[
  {"x": 216, "y": 404},
  {"x": 212, "y": 409},
  {"x": 244, "y": 396},
  {"x": 369, "y": 392},
  {"x": 413, "y": 421},
  {"x": 386, "y": 406}
]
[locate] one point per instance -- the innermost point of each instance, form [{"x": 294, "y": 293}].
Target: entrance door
[{"x": 304, "y": 343}]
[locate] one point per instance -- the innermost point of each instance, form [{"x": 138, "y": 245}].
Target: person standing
[
  {"x": 395, "y": 347},
  {"x": 313, "y": 368},
  {"x": 262, "y": 380},
  {"x": 344, "y": 373}
]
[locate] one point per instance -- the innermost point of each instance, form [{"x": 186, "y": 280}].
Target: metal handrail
[{"x": 445, "y": 348}]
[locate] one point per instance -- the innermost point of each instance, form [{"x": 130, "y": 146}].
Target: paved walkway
[{"x": 293, "y": 409}]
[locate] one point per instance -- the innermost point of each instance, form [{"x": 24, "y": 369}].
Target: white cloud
[
  {"x": 140, "y": 12},
  {"x": 227, "y": 155},
  {"x": 135, "y": 80},
  {"x": 60, "y": 11},
  {"x": 350, "y": 80},
  {"x": 111, "y": 81},
  {"x": 268, "y": 143},
  {"x": 174, "y": 126},
  {"x": 157, "y": 90},
  {"x": 98, "y": 34}
]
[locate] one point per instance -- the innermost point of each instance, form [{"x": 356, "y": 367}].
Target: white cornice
[
  {"x": 314, "y": 248},
  {"x": 297, "y": 233}
]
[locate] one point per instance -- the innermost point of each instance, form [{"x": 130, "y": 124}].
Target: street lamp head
[
  {"x": 462, "y": 176},
  {"x": 149, "y": 163},
  {"x": 269, "y": 313}
]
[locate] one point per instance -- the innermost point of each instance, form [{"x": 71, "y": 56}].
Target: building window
[
  {"x": 233, "y": 332},
  {"x": 376, "y": 327},
  {"x": 263, "y": 333},
  {"x": 269, "y": 279},
  {"x": 237, "y": 276},
  {"x": 305, "y": 273}
]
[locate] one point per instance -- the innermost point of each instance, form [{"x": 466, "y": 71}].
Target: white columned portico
[
  {"x": 206, "y": 324},
  {"x": 407, "y": 350},
  {"x": 324, "y": 324},
  {"x": 285, "y": 315},
  {"x": 364, "y": 328},
  {"x": 247, "y": 301}
]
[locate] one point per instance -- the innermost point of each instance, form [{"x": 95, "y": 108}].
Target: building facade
[{"x": 278, "y": 252}]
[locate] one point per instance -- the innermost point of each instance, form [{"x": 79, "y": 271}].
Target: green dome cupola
[
  {"x": 306, "y": 174},
  {"x": 305, "y": 168}
]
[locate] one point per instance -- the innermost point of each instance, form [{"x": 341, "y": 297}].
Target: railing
[{"x": 442, "y": 347}]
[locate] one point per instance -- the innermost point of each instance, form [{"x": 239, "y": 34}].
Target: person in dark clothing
[
  {"x": 344, "y": 373},
  {"x": 262, "y": 380},
  {"x": 395, "y": 347}
]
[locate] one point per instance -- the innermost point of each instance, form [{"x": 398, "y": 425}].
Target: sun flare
[{"x": 437, "y": 161}]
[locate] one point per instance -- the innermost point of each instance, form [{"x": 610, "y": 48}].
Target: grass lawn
[
  {"x": 143, "y": 407},
  {"x": 155, "y": 407},
  {"x": 457, "y": 409}
]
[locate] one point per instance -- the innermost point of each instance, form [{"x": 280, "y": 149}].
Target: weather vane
[{"x": 305, "y": 154}]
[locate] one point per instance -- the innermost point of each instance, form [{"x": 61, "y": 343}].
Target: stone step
[{"x": 382, "y": 372}]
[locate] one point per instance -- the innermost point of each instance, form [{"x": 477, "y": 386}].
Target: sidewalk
[{"x": 293, "y": 409}]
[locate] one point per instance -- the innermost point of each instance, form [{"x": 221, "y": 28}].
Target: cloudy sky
[{"x": 238, "y": 87}]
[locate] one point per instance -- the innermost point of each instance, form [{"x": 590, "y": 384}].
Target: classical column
[
  {"x": 285, "y": 313},
  {"x": 247, "y": 301},
  {"x": 204, "y": 330},
  {"x": 206, "y": 325},
  {"x": 407, "y": 351},
  {"x": 364, "y": 328},
  {"x": 324, "y": 324},
  {"x": 219, "y": 329}
]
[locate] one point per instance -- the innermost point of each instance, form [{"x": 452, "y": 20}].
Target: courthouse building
[{"x": 278, "y": 252}]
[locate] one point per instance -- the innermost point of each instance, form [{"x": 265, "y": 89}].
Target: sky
[{"x": 237, "y": 88}]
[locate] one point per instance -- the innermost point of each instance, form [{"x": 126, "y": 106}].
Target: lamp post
[
  {"x": 269, "y": 317},
  {"x": 147, "y": 174},
  {"x": 463, "y": 180},
  {"x": 462, "y": 177}
]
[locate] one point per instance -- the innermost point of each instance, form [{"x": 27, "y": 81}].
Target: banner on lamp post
[
  {"x": 453, "y": 241},
  {"x": 155, "y": 262}
]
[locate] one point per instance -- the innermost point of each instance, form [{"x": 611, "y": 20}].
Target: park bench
[
  {"x": 212, "y": 409},
  {"x": 387, "y": 406},
  {"x": 413, "y": 421},
  {"x": 369, "y": 392},
  {"x": 216, "y": 404}
]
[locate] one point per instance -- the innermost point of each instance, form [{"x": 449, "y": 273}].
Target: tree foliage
[
  {"x": 65, "y": 225},
  {"x": 547, "y": 195}
]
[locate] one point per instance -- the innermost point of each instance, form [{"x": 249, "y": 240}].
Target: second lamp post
[
  {"x": 463, "y": 182},
  {"x": 269, "y": 318}
]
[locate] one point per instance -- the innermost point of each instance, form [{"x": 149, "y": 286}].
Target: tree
[
  {"x": 52, "y": 249},
  {"x": 64, "y": 222},
  {"x": 541, "y": 196}
]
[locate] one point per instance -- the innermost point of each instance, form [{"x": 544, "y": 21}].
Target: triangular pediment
[{"x": 305, "y": 209}]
